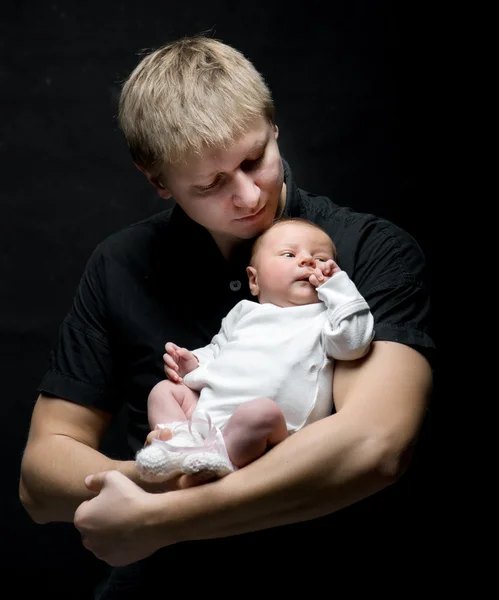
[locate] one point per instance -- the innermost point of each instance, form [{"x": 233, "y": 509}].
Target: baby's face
[{"x": 288, "y": 254}]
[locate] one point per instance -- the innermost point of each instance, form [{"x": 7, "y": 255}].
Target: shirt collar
[{"x": 291, "y": 208}]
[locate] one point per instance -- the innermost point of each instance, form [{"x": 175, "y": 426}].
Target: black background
[{"x": 351, "y": 82}]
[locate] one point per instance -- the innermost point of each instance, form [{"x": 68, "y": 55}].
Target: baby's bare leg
[
  {"x": 252, "y": 429},
  {"x": 169, "y": 402}
]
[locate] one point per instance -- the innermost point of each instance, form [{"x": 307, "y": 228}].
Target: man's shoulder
[
  {"x": 142, "y": 232},
  {"x": 135, "y": 243},
  {"x": 339, "y": 220},
  {"x": 362, "y": 238}
]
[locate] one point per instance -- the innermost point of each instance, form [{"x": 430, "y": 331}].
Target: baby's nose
[{"x": 308, "y": 261}]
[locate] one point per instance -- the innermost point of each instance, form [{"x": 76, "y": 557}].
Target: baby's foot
[
  {"x": 196, "y": 448},
  {"x": 206, "y": 464},
  {"x": 161, "y": 460}
]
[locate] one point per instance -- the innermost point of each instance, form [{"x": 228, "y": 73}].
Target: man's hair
[
  {"x": 258, "y": 241},
  {"x": 189, "y": 94}
]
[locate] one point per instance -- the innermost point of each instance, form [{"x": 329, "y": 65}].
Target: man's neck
[{"x": 282, "y": 202}]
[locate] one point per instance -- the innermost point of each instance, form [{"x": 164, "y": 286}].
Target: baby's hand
[
  {"x": 178, "y": 362},
  {"x": 323, "y": 271}
]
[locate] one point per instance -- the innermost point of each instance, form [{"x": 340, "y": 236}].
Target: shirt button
[{"x": 235, "y": 286}]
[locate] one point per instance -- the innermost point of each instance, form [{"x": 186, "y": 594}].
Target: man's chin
[{"x": 252, "y": 229}]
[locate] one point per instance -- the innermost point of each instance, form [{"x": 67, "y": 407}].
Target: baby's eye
[
  {"x": 321, "y": 259},
  {"x": 288, "y": 254}
]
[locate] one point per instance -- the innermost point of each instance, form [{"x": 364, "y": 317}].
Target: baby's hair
[{"x": 299, "y": 220}]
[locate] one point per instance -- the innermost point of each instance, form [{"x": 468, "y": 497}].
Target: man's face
[
  {"x": 284, "y": 261},
  {"x": 235, "y": 192}
]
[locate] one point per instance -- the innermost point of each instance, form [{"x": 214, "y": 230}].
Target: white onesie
[{"x": 285, "y": 354}]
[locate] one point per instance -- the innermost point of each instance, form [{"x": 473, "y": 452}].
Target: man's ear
[
  {"x": 156, "y": 183},
  {"x": 253, "y": 281}
]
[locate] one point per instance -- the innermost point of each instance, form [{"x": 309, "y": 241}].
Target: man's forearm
[
  {"x": 327, "y": 466},
  {"x": 282, "y": 487},
  {"x": 51, "y": 489}
]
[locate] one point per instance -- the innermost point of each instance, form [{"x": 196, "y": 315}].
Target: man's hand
[
  {"x": 323, "y": 272},
  {"x": 115, "y": 525},
  {"x": 178, "y": 362}
]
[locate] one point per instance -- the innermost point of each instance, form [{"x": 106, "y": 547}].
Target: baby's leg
[
  {"x": 253, "y": 428},
  {"x": 169, "y": 402}
]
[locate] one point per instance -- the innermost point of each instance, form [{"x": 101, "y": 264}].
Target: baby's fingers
[
  {"x": 326, "y": 267},
  {"x": 171, "y": 348},
  {"x": 183, "y": 354},
  {"x": 334, "y": 268},
  {"x": 313, "y": 280},
  {"x": 170, "y": 361},
  {"x": 318, "y": 273},
  {"x": 173, "y": 375}
]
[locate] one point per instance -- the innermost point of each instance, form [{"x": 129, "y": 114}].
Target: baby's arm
[{"x": 349, "y": 329}]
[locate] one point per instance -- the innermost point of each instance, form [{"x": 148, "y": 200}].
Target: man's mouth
[{"x": 252, "y": 216}]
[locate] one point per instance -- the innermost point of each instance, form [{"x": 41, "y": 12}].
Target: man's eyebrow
[{"x": 258, "y": 145}]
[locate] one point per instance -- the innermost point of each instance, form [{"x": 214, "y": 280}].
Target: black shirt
[{"x": 164, "y": 279}]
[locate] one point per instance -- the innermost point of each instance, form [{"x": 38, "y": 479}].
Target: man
[{"x": 199, "y": 122}]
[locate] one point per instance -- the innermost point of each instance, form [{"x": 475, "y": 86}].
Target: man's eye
[
  {"x": 247, "y": 165},
  {"x": 211, "y": 186}
]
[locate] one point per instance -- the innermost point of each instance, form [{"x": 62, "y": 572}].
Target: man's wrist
[
  {"x": 127, "y": 468},
  {"x": 189, "y": 514}
]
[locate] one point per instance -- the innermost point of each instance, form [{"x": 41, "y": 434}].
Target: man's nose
[{"x": 246, "y": 193}]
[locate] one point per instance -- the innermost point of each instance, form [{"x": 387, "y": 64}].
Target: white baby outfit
[{"x": 285, "y": 354}]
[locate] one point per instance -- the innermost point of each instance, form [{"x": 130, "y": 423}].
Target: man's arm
[
  {"x": 61, "y": 450},
  {"x": 381, "y": 402}
]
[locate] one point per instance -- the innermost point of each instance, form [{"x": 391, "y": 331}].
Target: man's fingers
[{"x": 96, "y": 481}]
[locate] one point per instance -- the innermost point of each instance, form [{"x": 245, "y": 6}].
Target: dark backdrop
[{"x": 350, "y": 81}]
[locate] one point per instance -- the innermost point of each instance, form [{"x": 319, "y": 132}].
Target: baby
[{"x": 268, "y": 371}]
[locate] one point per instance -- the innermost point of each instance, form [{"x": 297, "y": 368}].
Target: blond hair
[{"x": 189, "y": 94}]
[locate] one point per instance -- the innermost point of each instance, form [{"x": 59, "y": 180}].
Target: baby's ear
[{"x": 253, "y": 280}]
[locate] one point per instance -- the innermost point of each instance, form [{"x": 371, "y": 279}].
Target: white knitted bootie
[
  {"x": 197, "y": 447},
  {"x": 208, "y": 464},
  {"x": 162, "y": 460}
]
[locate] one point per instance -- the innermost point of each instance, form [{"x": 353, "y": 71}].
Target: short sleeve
[
  {"x": 81, "y": 366},
  {"x": 391, "y": 274}
]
